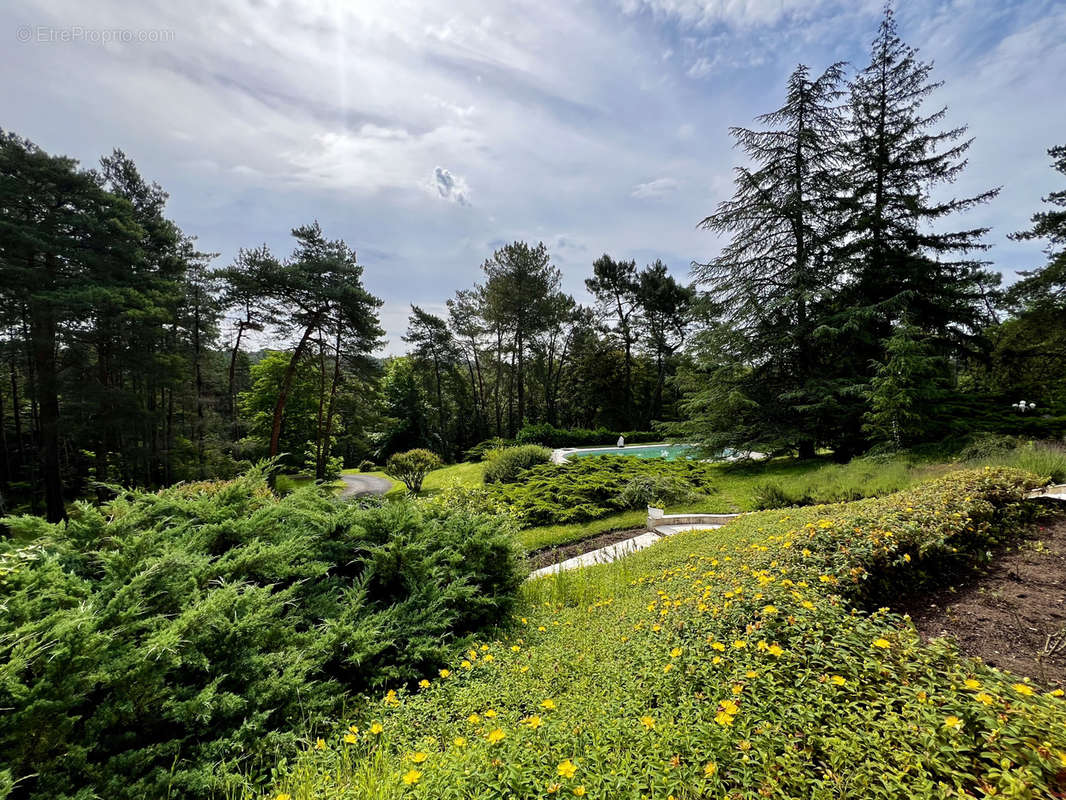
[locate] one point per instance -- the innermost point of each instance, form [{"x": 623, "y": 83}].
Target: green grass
[
  {"x": 289, "y": 483},
  {"x": 727, "y": 663}
]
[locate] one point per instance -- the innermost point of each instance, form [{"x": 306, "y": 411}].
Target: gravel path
[{"x": 360, "y": 485}]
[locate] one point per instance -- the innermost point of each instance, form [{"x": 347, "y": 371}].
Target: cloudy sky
[{"x": 426, "y": 134}]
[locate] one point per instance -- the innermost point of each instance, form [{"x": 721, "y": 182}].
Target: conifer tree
[
  {"x": 901, "y": 160},
  {"x": 771, "y": 280}
]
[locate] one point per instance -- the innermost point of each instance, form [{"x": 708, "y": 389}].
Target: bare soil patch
[
  {"x": 553, "y": 555},
  {"x": 1012, "y": 612}
]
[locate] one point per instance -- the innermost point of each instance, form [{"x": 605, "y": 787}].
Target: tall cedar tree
[
  {"x": 898, "y": 159},
  {"x": 771, "y": 281},
  {"x": 1046, "y": 286}
]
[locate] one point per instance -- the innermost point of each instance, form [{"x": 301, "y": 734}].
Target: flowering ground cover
[{"x": 737, "y": 663}]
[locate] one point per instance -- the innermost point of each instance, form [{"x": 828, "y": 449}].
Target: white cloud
[
  {"x": 700, "y": 68},
  {"x": 655, "y": 188}
]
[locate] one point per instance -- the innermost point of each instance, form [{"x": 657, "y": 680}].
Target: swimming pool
[{"x": 670, "y": 452}]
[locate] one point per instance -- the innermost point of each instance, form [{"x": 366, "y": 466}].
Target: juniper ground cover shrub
[
  {"x": 164, "y": 644},
  {"x": 737, "y": 663},
  {"x": 587, "y": 488}
]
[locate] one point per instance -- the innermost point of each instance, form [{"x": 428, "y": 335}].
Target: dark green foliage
[
  {"x": 591, "y": 487},
  {"x": 550, "y": 436},
  {"x": 162, "y": 644},
  {"x": 412, "y": 466},
  {"x": 505, "y": 466},
  {"x": 366, "y": 465},
  {"x": 773, "y": 495}
]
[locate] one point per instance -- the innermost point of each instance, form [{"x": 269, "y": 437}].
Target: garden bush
[
  {"x": 366, "y": 465},
  {"x": 722, "y": 664},
  {"x": 646, "y": 490},
  {"x": 587, "y": 488},
  {"x": 504, "y": 466},
  {"x": 412, "y": 466},
  {"x": 165, "y": 644},
  {"x": 483, "y": 448}
]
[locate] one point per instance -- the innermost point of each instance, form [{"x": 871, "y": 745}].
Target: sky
[{"x": 428, "y": 134}]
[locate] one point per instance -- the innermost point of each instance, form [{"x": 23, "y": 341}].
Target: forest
[{"x": 851, "y": 308}]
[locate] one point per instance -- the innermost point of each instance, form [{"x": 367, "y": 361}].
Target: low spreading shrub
[
  {"x": 588, "y": 488},
  {"x": 366, "y": 465},
  {"x": 657, "y": 490},
  {"x": 504, "y": 466},
  {"x": 725, "y": 664},
  {"x": 163, "y": 645},
  {"x": 412, "y": 467}
]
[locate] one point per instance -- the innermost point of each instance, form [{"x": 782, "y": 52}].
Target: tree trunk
[
  {"x": 43, "y": 346},
  {"x": 321, "y": 469},
  {"x": 286, "y": 386}
]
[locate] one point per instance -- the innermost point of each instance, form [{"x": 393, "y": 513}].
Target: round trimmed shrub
[{"x": 504, "y": 466}]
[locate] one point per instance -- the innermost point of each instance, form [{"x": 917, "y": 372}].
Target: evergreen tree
[
  {"x": 899, "y": 159},
  {"x": 1046, "y": 287},
  {"x": 432, "y": 343},
  {"x": 773, "y": 278},
  {"x": 906, "y": 391},
  {"x": 615, "y": 286},
  {"x": 666, "y": 307}
]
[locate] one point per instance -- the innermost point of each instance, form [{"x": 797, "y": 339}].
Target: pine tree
[{"x": 771, "y": 280}]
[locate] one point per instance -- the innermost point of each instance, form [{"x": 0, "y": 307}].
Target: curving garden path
[{"x": 363, "y": 485}]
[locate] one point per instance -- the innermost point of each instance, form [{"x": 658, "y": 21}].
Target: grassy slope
[{"x": 714, "y": 662}]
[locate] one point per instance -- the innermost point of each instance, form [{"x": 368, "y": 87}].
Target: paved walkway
[
  {"x": 613, "y": 552},
  {"x": 362, "y": 485}
]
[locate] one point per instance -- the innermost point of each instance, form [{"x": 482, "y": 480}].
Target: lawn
[{"x": 744, "y": 662}]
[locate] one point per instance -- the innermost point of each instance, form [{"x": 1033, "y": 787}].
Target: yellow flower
[
  {"x": 579, "y": 791},
  {"x": 770, "y": 610},
  {"x": 970, "y": 683},
  {"x": 490, "y": 714},
  {"x": 542, "y": 628},
  {"x": 473, "y": 719},
  {"x": 283, "y": 796},
  {"x": 424, "y": 683},
  {"x": 390, "y": 698},
  {"x": 515, "y": 648},
  {"x": 554, "y": 787},
  {"x": 376, "y": 729},
  {"x": 411, "y": 777},
  {"x": 465, "y": 664},
  {"x": 350, "y": 738},
  {"x": 473, "y": 655},
  {"x": 884, "y": 644},
  {"x": 837, "y": 680},
  {"x": 533, "y": 722},
  {"x": 710, "y": 768},
  {"x": 807, "y": 604},
  {"x": 548, "y": 704},
  {"x": 353, "y": 729},
  {"x": 952, "y": 722},
  {"x": 668, "y": 667},
  {"x": 320, "y": 744},
  {"x": 740, "y": 644},
  {"x": 775, "y": 650},
  {"x": 718, "y": 646},
  {"x": 1022, "y": 688},
  {"x": 489, "y": 657},
  {"x": 675, "y": 652},
  {"x": 459, "y": 741},
  {"x": 566, "y": 769},
  {"x": 729, "y": 707},
  {"x": 647, "y": 722},
  {"x": 723, "y": 719},
  {"x": 496, "y": 736},
  {"x": 417, "y": 758},
  {"x": 444, "y": 673},
  {"x": 983, "y": 697},
  {"x": 1056, "y": 693}
]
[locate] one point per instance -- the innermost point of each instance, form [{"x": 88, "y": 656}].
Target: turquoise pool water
[{"x": 670, "y": 452}]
